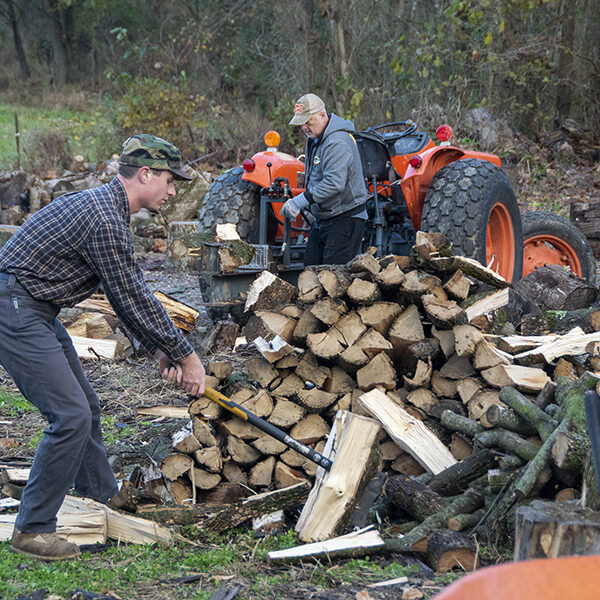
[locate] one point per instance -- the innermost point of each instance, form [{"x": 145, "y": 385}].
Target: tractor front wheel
[
  {"x": 550, "y": 239},
  {"x": 230, "y": 199},
  {"x": 473, "y": 204}
]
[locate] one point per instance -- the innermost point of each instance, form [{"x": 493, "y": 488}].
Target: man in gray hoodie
[{"x": 335, "y": 190}]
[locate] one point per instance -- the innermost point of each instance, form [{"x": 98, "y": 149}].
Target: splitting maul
[{"x": 269, "y": 429}]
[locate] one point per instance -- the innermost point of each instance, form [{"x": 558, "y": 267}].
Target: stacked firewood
[{"x": 419, "y": 344}]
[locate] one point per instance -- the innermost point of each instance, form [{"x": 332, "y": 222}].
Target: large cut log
[
  {"x": 409, "y": 433},
  {"x": 555, "y": 288},
  {"x": 561, "y": 321},
  {"x": 553, "y": 529},
  {"x": 468, "y": 502},
  {"x": 445, "y": 549},
  {"x": 412, "y": 497},
  {"x": 222, "y": 517},
  {"x": 352, "y": 445}
]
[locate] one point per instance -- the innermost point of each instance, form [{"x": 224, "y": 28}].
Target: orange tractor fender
[{"x": 416, "y": 180}]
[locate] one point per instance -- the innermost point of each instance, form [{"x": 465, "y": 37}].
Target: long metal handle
[{"x": 269, "y": 429}]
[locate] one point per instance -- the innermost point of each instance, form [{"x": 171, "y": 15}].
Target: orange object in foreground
[{"x": 567, "y": 578}]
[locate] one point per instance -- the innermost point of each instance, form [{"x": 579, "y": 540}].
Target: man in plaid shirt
[{"x": 57, "y": 258}]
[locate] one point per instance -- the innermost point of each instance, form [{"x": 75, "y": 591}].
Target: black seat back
[{"x": 374, "y": 156}]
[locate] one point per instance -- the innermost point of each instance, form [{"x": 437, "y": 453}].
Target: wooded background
[{"x": 206, "y": 72}]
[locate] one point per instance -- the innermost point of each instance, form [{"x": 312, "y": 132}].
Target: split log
[
  {"x": 422, "y": 377},
  {"x": 372, "y": 343},
  {"x": 352, "y": 544},
  {"x": 269, "y": 445},
  {"x": 184, "y": 440},
  {"x": 268, "y": 292},
  {"x": 241, "y": 453},
  {"x": 457, "y": 367},
  {"x": 427, "y": 350},
  {"x": 315, "y": 400},
  {"x": 335, "y": 280},
  {"x": 274, "y": 348},
  {"x": 363, "y": 292},
  {"x": 468, "y": 387},
  {"x": 479, "y": 404},
  {"x": 309, "y": 286},
  {"x": 285, "y": 414},
  {"x": 526, "y": 379},
  {"x": 175, "y": 465},
  {"x": 390, "y": 277},
  {"x": 566, "y": 346},
  {"x": 348, "y": 329},
  {"x": 466, "y": 339},
  {"x": 289, "y": 386},
  {"x": 444, "y": 314},
  {"x": 487, "y": 355},
  {"x": 310, "y": 430},
  {"x": 405, "y": 330},
  {"x": 329, "y": 310},
  {"x": 308, "y": 369},
  {"x": 458, "y": 286},
  {"x": 324, "y": 346},
  {"x": 352, "y": 359},
  {"x": 204, "y": 480},
  {"x": 184, "y": 317},
  {"x": 379, "y": 371},
  {"x": 339, "y": 382},
  {"x": 380, "y": 315},
  {"x": 485, "y": 303},
  {"x": 364, "y": 262},
  {"x": 306, "y": 325},
  {"x": 266, "y": 324},
  {"x": 410, "y": 434},
  {"x": 210, "y": 458},
  {"x": 335, "y": 492},
  {"x": 261, "y": 371},
  {"x": 446, "y": 339},
  {"x": 261, "y": 473}
]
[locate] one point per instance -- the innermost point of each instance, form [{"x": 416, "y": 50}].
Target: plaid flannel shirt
[{"x": 81, "y": 240}]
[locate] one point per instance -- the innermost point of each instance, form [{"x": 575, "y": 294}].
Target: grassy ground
[{"x": 81, "y": 132}]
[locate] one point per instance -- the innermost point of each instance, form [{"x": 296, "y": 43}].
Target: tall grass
[{"x": 87, "y": 133}]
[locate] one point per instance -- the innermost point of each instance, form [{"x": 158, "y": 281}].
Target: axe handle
[{"x": 269, "y": 429}]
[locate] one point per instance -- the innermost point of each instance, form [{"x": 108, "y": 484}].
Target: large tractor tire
[
  {"x": 473, "y": 204},
  {"x": 230, "y": 199},
  {"x": 550, "y": 239}
]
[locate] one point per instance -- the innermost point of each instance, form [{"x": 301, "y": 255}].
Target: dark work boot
[{"x": 45, "y": 546}]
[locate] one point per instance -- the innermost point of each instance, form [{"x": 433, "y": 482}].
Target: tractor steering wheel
[{"x": 411, "y": 127}]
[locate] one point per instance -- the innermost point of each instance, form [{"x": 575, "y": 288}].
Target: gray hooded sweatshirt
[{"x": 334, "y": 177}]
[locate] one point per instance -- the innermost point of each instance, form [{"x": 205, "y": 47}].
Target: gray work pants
[{"x": 39, "y": 355}]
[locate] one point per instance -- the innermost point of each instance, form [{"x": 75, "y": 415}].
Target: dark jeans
[
  {"x": 335, "y": 241},
  {"x": 38, "y": 353}
]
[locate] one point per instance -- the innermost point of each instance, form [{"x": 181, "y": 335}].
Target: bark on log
[
  {"x": 413, "y": 497},
  {"x": 560, "y": 321}
]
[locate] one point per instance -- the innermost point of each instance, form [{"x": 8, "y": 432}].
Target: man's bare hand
[{"x": 188, "y": 374}]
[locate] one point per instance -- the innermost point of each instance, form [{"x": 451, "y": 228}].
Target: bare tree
[{"x": 12, "y": 16}]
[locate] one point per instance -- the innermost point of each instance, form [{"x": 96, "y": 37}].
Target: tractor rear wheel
[
  {"x": 473, "y": 204},
  {"x": 550, "y": 239},
  {"x": 230, "y": 199}
]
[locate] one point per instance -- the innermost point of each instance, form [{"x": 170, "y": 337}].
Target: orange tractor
[{"x": 414, "y": 185}]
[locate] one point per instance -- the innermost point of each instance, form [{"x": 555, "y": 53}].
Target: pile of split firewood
[{"x": 417, "y": 358}]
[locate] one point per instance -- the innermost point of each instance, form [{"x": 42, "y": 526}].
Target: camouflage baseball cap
[{"x": 144, "y": 150}]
